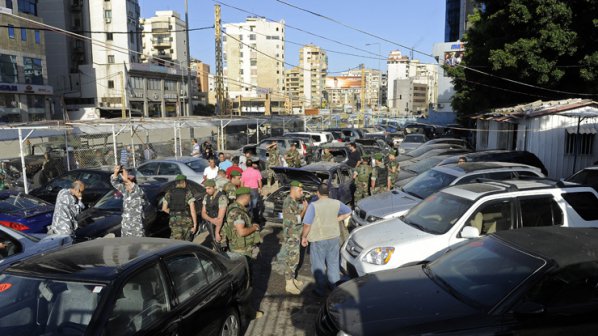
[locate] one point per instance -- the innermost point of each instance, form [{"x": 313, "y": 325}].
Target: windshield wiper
[
  {"x": 411, "y": 193},
  {"x": 415, "y": 225}
]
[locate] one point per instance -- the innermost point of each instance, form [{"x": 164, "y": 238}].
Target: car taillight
[
  {"x": 304, "y": 149},
  {"x": 14, "y": 225}
]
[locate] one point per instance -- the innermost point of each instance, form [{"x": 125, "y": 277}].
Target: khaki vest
[{"x": 325, "y": 225}]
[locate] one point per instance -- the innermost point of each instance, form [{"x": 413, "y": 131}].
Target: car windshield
[
  {"x": 418, "y": 138},
  {"x": 483, "y": 272},
  {"x": 113, "y": 200},
  {"x": 419, "y": 151},
  {"x": 197, "y": 166},
  {"x": 425, "y": 164},
  {"x": 31, "y": 306},
  {"x": 437, "y": 213},
  {"x": 428, "y": 183},
  {"x": 11, "y": 203}
]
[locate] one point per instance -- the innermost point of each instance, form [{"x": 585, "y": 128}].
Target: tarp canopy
[{"x": 583, "y": 129}]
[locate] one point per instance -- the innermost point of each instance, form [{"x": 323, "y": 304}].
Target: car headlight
[
  {"x": 268, "y": 204},
  {"x": 372, "y": 219},
  {"x": 379, "y": 255}
]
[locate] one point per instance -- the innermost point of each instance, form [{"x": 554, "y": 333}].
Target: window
[
  {"x": 584, "y": 203},
  {"x": 9, "y": 4},
  {"x": 38, "y": 37},
  {"x": 540, "y": 211},
  {"x": 187, "y": 274},
  {"x": 110, "y": 58},
  {"x": 8, "y": 100},
  {"x": 28, "y": 7},
  {"x": 493, "y": 217},
  {"x": 11, "y": 31},
  {"x": 154, "y": 84},
  {"x": 253, "y": 62},
  {"x": 111, "y": 84},
  {"x": 583, "y": 142},
  {"x": 8, "y": 69},
  {"x": 574, "y": 285},
  {"x": 23, "y": 34},
  {"x": 108, "y": 16},
  {"x": 35, "y": 101},
  {"x": 32, "y": 67},
  {"x": 136, "y": 82},
  {"x": 149, "y": 169},
  {"x": 109, "y": 36},
  {"x": 141, "y": 302},
  {"x": 169, "y": 169},
  {"x": 169, "y": 85},
  {"x": 252, "y": 37},
  {"x": 96, "y": 180}
]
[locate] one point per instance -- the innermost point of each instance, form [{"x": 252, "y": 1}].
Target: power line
[{"x": 107, "y": 31}]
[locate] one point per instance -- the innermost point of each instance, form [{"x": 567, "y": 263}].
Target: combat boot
[
  {"x": 291, "y": 288},
  {"x": 298, "y": 283}
]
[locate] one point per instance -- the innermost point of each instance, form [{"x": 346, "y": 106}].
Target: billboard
[
  {"x": 453, "y": 58},
  {"x": 343, "y": 82}
]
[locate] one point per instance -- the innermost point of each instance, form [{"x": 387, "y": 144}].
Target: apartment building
[
  {"x": 306, "y": 82},
  {"x": 163, "y": 38}
]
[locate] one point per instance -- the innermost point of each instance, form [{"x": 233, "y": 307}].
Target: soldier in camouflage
[
  {"x": 230, "y": 188},
  {"x": 380, "y": 177},
  {"x": 214, "y": 209},
  {"x": 179, "y": 203},
  {"x": 393, "y": 169},
  {"x": 327, "y": 156},
  {"x": 69, "y": 203},
  {"x": 292, "y": 157},
  {"x": 273, "y": 161},
  {"x": 131, "y": 224},
  {"x": 292, "y": 215},
  {"x": 242, "y": 236},
  {"x": 361, "y": 175}
]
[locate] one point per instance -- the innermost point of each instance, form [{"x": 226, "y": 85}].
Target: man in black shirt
[{"x": 354, "y": 156}]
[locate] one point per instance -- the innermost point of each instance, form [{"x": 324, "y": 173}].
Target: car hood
[
  {"x": 296, "y": 174},
  {"x": 401, "y": 301},
  {"x": 390, "y": 232},
  {"x": 387, "y": 203},
  {"x": 95, "y": 221}
]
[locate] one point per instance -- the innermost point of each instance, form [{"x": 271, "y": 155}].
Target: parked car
[
  {"x": 346, "y": 134},
  {"x": 535, "y": 281},
  {"x": 126, "y": 286},
  {"x": 396, "y": 202},
  {"x": 318, "y": 138},
  {"x": 338, "y": 177},
  {"x": 422, "y": 150},
  {"x": 386, "y": 137},
  {"x": 372, "y": 146},
  {"x": 105, "y": 216},
  {"x": 339, "y": 150},
  {"x": 411, "y": 142},
  {"x": 412, "y": 168},
  {"x": 523, "y": 157},
  {"x": 457, "y": 213},
  {"x": 283, "y": 144},
  {"x": 167, "y": 169},
  {"x": 19, "y": 246},
  {"x": 97, "y": 184},
  {"x": 25, "y": 213},
  {"x": 450, "y": 141},
  {"x": 587, "y": 176}
]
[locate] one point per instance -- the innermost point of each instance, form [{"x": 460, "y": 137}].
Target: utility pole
[
  {"x": 122, "y": 95},
  {"x": 219, "y": 69},
  {"x": 362, "y": 88},
  {"x": 189, "y": 112}
]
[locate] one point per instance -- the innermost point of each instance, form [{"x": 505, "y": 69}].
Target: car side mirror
[
  {"x": 49, "y": 188},
  {"x": 528, "y": 308},
  {"x": 470, "y": 232}
]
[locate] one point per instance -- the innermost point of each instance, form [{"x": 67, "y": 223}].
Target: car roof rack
[{"x": 508, "y": 186}]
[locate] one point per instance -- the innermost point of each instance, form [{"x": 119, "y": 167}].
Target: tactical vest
[
  {"x": 177, "y": 200},
  {"x": 212, "y": 204},
  {"x": 236, "y": 242},
  {"x": 363, "y": 174},
  {"x": 382, "y": 178}
]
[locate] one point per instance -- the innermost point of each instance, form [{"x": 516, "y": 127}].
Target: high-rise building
[
  {"x": 163, "y": 38},
  {"x": 456, "y": 19},
  {"x": 24, "y": 91},
  {"x": 401, "y": 68},
  {"x": 398, "y": 67},
  {"x": 449, "y": 54},
  {"x": 372, "y": 85},
  {"x": 253, "y": 53},
  {"x": 306, "y": 83},
  {"x": 412, "y": 97},
  {"x": 203, "y": 72}
]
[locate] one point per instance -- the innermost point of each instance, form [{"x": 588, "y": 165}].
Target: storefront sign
[{"x": 27, "y": 88}]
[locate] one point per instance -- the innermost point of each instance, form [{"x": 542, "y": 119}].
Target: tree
[{"x": 550, "y": 44}]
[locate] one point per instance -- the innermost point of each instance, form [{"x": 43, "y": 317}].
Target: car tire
[{"x": 231, "y": 325}]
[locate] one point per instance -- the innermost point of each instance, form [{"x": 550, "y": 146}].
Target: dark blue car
[{"x": 25, "y": 213}]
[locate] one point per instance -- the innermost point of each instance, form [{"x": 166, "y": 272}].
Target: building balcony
[
  {"x": 160, "y": 26},
  {"x": 160, "y": 43},
  {"x": 77, "y": 5}
]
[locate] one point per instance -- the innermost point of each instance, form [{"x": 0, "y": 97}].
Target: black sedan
[
  {"x": 536, "y": 281},
  {"x": 97, "y": 184},
  {"x": 126, "y": 286},
  {"x": 105, "y": 216}
]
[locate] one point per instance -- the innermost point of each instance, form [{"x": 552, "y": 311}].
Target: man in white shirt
[
  {"x": 195, "y": 152},
  {"x": 211, "y": 171}
]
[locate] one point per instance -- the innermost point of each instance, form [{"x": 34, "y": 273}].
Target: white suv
[{"x": 453, "y": 215}]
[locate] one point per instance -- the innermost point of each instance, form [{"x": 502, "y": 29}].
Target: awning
[{"x": 583, "y": 129}]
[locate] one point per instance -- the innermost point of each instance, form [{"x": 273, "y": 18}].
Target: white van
[{"x": 319, "y": 138}]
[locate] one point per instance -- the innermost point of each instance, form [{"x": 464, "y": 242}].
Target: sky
[{"x": 416, "y": 24}]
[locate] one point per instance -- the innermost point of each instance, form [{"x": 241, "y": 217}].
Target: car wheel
[{"x": 231, "y": 325}]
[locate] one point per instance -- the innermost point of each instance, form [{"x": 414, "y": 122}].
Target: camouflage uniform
[
  {"x": 379, "y": 186},
  {"x": 63, "y": 221},
  {"x": 237, "y": 214},
  {"x": 131, "y": 224},
  {"x": 292, "y": 227},
  {"x": 2, "y": 179},
  {"x": 393, "y": 172},
  {"x": 327, "y": 157},
  {"x": 293, "y": 159},
  {"x": 229, "y": 190},
  {"x": 180, "y": 222},
  {"x": 362, "y": 182},
  {"x": 272, "y": 161}
]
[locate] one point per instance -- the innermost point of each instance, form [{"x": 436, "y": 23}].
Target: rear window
[
  {"x": 197, "y": 166},
  {"x": 584, "y": 203},
  {"x": 10, "y": 203}
]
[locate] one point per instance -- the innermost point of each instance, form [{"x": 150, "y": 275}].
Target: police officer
[
  {"x": 242, "y": 236},
  {"x": 214, "y": 209},
  {"x": 292, "y": 157},
  {"x": 131, "y": 224},
  {"x": 327, "y": 156},
  {"x": 273, "y": 161},
  {"x": 230, "y": 188},
  {"x": 180, "y": 204},
  {"x": 393, "y": 169},
  {"x": 380, "y": 177},
  {"x": 361, "y": 175},
  {"x": 293, "y": 211}
]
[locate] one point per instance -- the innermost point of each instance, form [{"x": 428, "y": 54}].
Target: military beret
[
  {"x": 235, "y": 173},
  {"x": 242, "y": 191},
  {"x": 366, "y": 157},
  {"x": 209, "y": 183},
  {"x": 296, "y": 184},
  {"x": 378, "y": 156},
  {"x": 180, "y": 177}
]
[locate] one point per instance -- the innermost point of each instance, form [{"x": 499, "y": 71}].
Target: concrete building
[
  {"x": 306, "y": 83},
  {"x": 373, "y": 83},
  {"x": 203, "y": 73},
  {"x": 456, "y": 19},
  {"x": 94, "y": 78},
  {"x": 446, "y": 53},
  {"x": 254, "y": 58},
  {"x": 412, "y": 97},
  {"x": 343, "y": 92},
  {"x": 163, "y": 38},
  {"x": 24, "y": 91}
]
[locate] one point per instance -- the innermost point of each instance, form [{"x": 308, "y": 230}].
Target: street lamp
[{"x": 379, "y": 70}]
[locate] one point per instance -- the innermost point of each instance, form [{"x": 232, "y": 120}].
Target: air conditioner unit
[{"x": 108, "y": 20}]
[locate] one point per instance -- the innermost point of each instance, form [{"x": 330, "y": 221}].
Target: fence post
[
  {"x": 133, "y": 146},
  {"x": 114, "y": 146},
  {"x": 66, "y": 149},
  {"x": 257, "y": 131},
  {"x": 24, "y": 169},
  {"x": 175, "y": 142}
]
